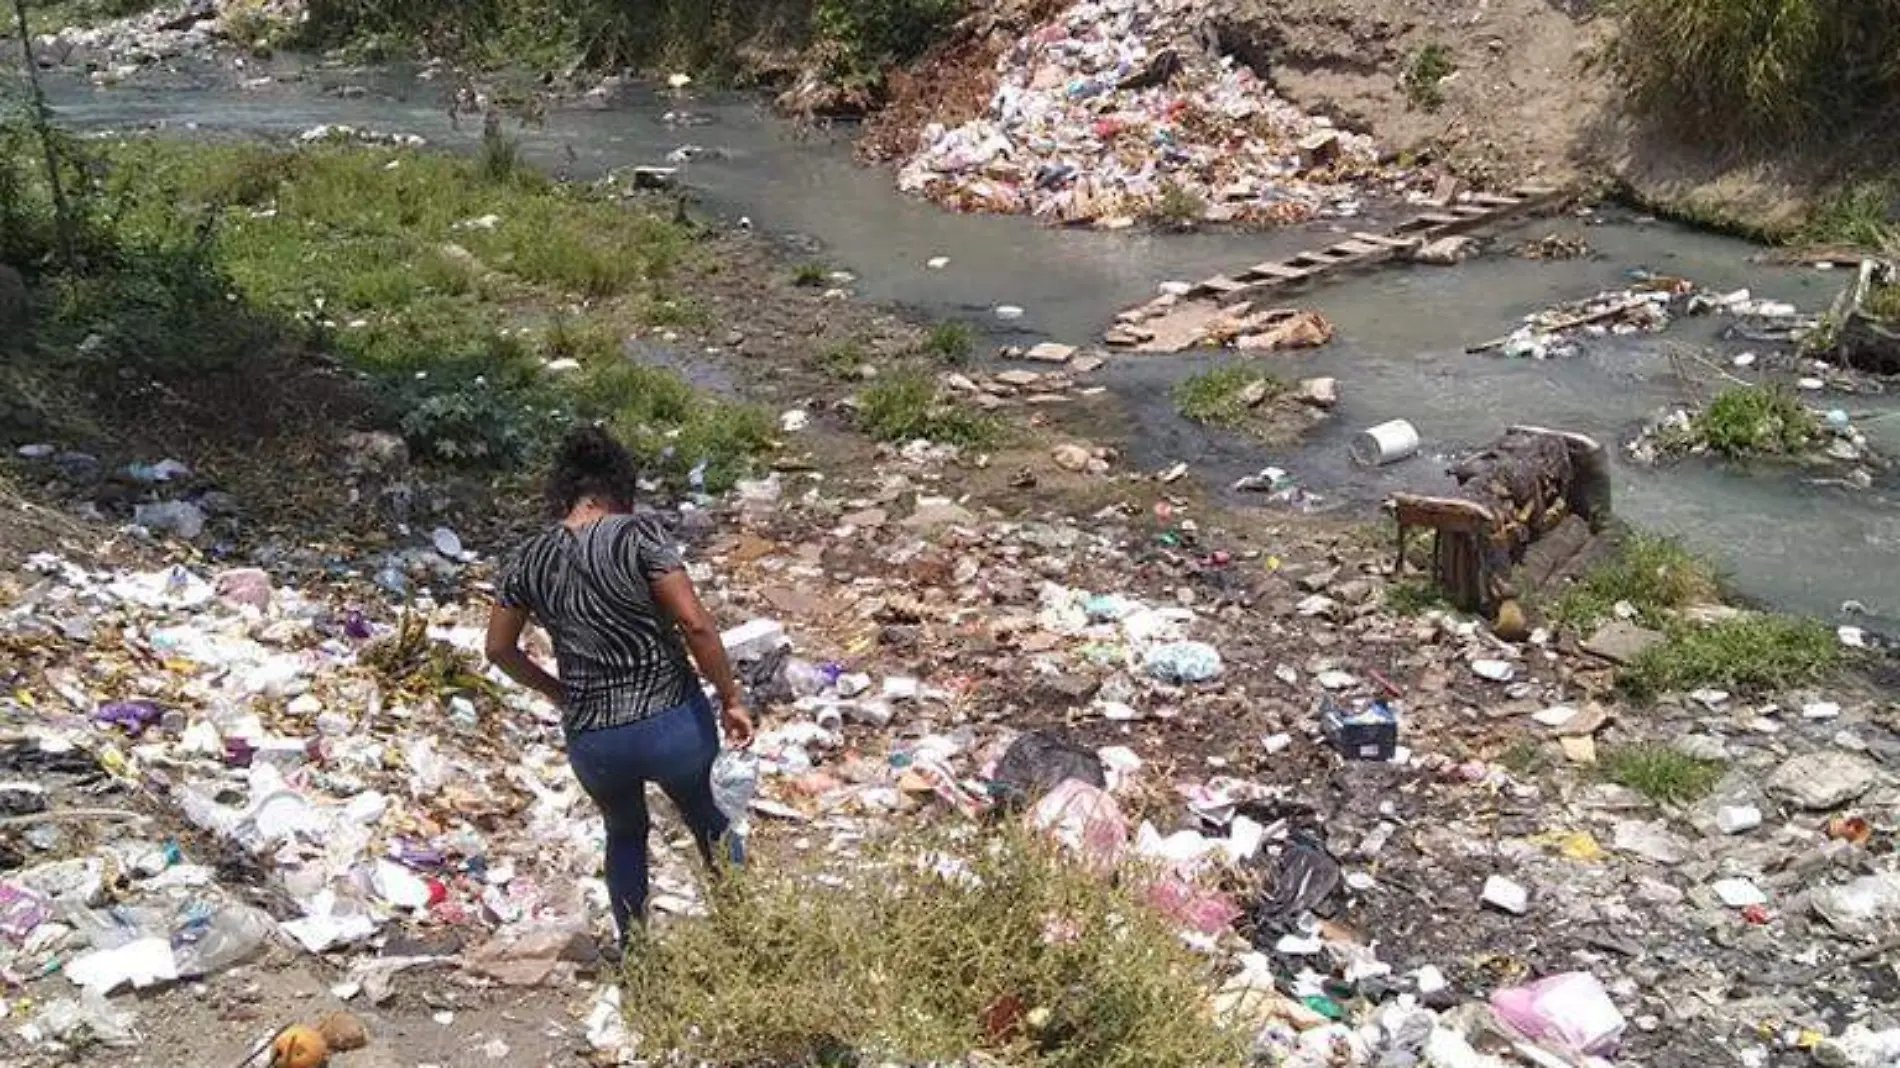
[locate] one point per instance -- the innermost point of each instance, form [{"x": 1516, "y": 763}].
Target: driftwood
[
  {"x": 1563, "y": 325},
  {"x": 1530, "y": 482},
  {"x": 1866, "y": 343}
]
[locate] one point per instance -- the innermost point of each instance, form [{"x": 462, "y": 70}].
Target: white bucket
[{"x": 1384, "y": 444}]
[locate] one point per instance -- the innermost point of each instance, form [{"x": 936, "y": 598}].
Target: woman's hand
[{"x": 738, "y": 724}]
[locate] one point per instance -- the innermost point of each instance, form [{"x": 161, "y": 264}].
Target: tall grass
[
  {"x": 1760, "y": 70},
  {"x": 998, "y": 951}
]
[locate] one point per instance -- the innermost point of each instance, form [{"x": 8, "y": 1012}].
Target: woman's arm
[
  {"x": 674, "y": 592},
  {"x": 504, "y": 651}
]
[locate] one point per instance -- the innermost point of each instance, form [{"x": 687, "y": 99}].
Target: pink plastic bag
[
  {"x": 1085, "y": 819},
  {"x": 1202, "y": 911},
  {"x": 1572, "y": 1009}
]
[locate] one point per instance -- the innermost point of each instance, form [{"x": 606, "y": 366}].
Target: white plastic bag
[{"x": 735, "y": 781}]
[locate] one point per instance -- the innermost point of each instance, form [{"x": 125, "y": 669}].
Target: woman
[{"x": 609, "y": 589}]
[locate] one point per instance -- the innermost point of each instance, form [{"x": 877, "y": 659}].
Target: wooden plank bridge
[{"x": 1222, "y": 304}]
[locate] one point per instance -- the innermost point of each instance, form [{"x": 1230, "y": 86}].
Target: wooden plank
[
  {"x": 1467, "y": 212},
  {"x": 1277, "y": 270},
  {"x": 1220, "y": 283},
  {"x": 1386, "y": 242},
  {"x": 1494, "y": 200},
  {"x": 1359, "y": 248}
]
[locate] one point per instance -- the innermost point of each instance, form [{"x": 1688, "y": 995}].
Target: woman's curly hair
[{"x": 590, "y": 463}]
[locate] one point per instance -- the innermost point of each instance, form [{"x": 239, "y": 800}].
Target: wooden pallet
[{"x": 1358, "y": 250}]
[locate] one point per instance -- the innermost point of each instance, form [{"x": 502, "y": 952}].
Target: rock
[
  {"x": 1501, "y": 893},
  {"x": 1356, "y": 591},
  {"x": 1859, "y": 1047},
  {"x": 1734, "y": 819},
  {"x": 1701, "y": 747},
  {"x": 1494, "y": 670},
  {"x": 1319, "y": 148},
  {"x": 1447, "y": 251},
  {"x": 1738, "y": 893},
  {"x": 1319, "y": 392},
  {"x": 1018, "y": 379},
  {"x": 1822, "y": 781},
  {"x": 1050, "y": 352},
  {"x": 1860, "y": 907},
  {"x": 1072, "y": 457},
  {"x": 1253, "y": 393},
  {"x": 343, "y": 1032},
  {"x": 931, "y": 514},
  {"x": 1651, "y": 841},
  {"x": 1621, "y": 642},
  {"x": 1317, "y": 581}
]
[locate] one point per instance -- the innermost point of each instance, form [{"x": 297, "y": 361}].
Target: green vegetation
[
  {"x": 906, "y": 406},
  {"x": 865, "y": 37},
  {"x": 1526, "y": 758},
  {"x": 1177, "y": 207},
  {"x": 1861, "y": 214},
  {"x": 51, "y": 17},
  {"x": 427, "y": 275},
  {"x": 811, "y": 275},
  {"x": 1415, "y": 597},
  {"x": 950, "y": 342},
  {"x": 1000, "y": 947},
  {"x": 1225, "y": 396},
  {"x": 845, "y": 360},
  {"x": 1659, "y": 772},
  {"x": 1756, "y": 653},
  {"x": 1756, "y": 420},
  {"x": 1425, "y": 71},
  {"x": 1653, "y": 574},
  {"x": 1720, "y": 70},
  {"x": 1884, "y": 303}
]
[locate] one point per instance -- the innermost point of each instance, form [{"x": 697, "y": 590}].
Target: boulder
[{"x": 1822, "y": 781}]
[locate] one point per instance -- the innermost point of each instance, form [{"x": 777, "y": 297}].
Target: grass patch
[
  {"x": 1653, "y": 574},
  {"x": 811, "y": 275},
  {"x": 1757, "y": 420},
  {"x": 1725, "y": 70},
  {"x": 1659, "y": 772},
  {"x": 1415, "y": 597},
  {"x": 1225, "y": 396},
  {"x": 1526, "y": 758},
  {"x": 907, "y": 406},
  {"x": 1000, "y": 947},
  {"x": 1176, "y": 207},
  {"x": 1860, "y": 214},
  {"x": 950, "y": 342},
  {"x": 1761, "y": 653},
  {"x": 415, "y": 270},
  {"x": 1424, "y": 73},
  {"x": 1883, "y": 303}
]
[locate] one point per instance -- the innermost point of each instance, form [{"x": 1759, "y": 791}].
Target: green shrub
[
  {"x": 1757, "y": 420},
  {"x": 1653, "y": 574},
  {"x": 932, "y": 953},
  {"x": 1424, "y": 70},
  {"x": 1761, "y": 70},
  {"x": 1884, "y": 303},
  {"x": 1219, "y": 397},
  {"x": 1751, "y": 654},
  {"x": 873, "y": 35},
  {"x": 1860, "y": 214},
  {"x": 951, "y": 342},
  {"x": 1176, "y": 207},
  {"x": 1660, "y": 773},
  {"x": 906, "y": 406}
]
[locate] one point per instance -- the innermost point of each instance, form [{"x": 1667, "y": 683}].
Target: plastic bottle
[
  {"x": 735, "y": 780},
  {"x": 224, "y": 939}
]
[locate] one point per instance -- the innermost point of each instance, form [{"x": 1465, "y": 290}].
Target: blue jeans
[{"x": 675, "y": 749}]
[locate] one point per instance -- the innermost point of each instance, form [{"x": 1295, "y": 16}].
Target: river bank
[{"x": 1574, "y": 810}]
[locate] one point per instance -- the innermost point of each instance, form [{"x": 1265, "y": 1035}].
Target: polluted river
[{"x": 1784, "y": 537}]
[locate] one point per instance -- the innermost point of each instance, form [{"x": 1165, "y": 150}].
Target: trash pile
[
  {"x": 1104, "y": 117},
  {"x": 115, "y": 50},
  {"x": 1839, "y": 446},
  {"x": 1315, "y": 787},
  {"x": 1646, "y": 307}
]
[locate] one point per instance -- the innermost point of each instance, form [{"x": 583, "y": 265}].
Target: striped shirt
[{"x": 621, "y": 657}]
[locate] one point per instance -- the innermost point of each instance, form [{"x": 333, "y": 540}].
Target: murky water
[{"x": 1399, "y": 350}]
